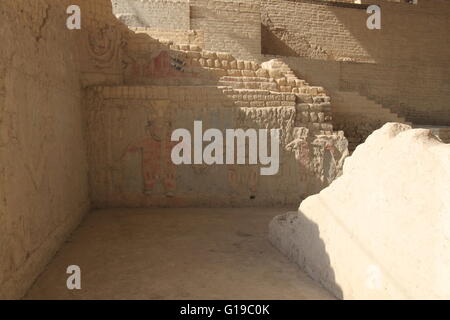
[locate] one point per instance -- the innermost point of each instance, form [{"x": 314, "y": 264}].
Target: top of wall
[
  {"x": 336, "y": 3},
  {"x": 158, "y": 14}
]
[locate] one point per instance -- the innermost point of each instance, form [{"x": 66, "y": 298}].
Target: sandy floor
[{"x": 175, "y": 254}]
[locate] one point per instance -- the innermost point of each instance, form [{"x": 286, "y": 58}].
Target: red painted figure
[{"x": 157, "y": 165}]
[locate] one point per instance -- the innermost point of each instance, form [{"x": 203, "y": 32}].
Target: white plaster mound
[{"x": 382, "y": 229}]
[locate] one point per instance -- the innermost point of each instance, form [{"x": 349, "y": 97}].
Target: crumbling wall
[
  {"x": 129, "y": 123},
  {"x": 194, "y": 37},
  {"x": 381, "y": 230},
  {"x": 230, "y": 26},
  {"x": 167, "y": 87}
]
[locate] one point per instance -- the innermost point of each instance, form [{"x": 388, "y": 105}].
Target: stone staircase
[
  {"x": 359, "y": 116},
  {"x": 353, "y": 103},
  {"x": 245, "y": 82},
  {"x": 260, "y": 83},
  {"x": 351, "y": 112},
  {"x": 271, "y": 84}
]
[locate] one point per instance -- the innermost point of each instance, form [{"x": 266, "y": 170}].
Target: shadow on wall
[
  {"x": 125, "y": 152},
  {"x": 313, "y": 30},
  {"x": 411, "y": 70},
  {"x": 407, "y": 34},
  {"x": 273, "y": 44},
  {"x": 168, "y": 86},
  {"x": 404, "y": 66},
  {"x": 307, "y": 249}
]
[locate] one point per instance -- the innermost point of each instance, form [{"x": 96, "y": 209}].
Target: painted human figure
[
  {"x": 301, "y": 151},
  {"x": 243, "y": 178},
  {"x": 157, "y": 165},
  {"x": 160, "y": 65}
]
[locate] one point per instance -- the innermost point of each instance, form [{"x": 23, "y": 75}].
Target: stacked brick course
[
  {"x": 404, "y": 66},
  {"x": 157, "y": 14}
]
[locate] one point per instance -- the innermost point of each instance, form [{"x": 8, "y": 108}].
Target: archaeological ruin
[{"x": 226, "y": 149}]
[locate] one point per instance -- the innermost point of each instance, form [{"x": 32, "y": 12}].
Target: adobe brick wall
[
  {"x": 43, "y": 163},
  {"x": 53, "y": 110},
  {"x": 312, "y": 29},
  {"x": 404, "y": 65},
  {"x": 194, "y": 37},
  {"x": 119, "y": 144},
  {"x": 229, "y": 26},
  {"x": 157, "y": 14}
]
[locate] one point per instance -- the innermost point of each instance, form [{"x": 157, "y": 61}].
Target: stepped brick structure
[
  {"x": 86, "y": 115},
  {"x": 184, "y": 83},
  {"x": 402, "y": 67},
  {"x": 87, "y": 118}
]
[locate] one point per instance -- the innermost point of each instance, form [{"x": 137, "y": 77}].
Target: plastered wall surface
[
  {"x": 129, "y": 151},
  {"x": 43, "y": 167},
  {"x": 43, "y": 164},
  {"x": 124, "y": 122},
  {"x": 173, "y": 85}
]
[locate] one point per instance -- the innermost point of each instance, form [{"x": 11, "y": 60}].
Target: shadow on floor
[
  {"x": 176, "y": 254},
  {"x": 298, "y": 237}
]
